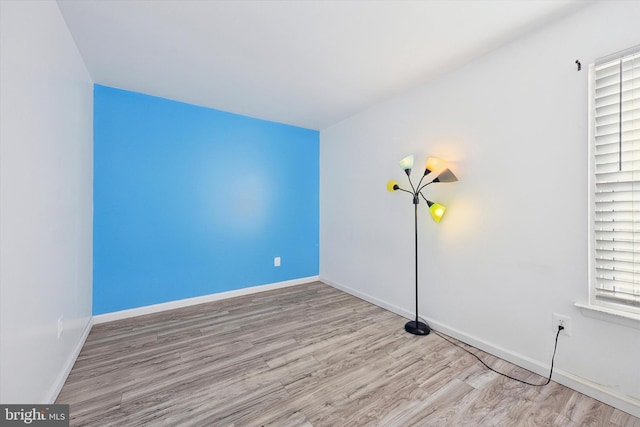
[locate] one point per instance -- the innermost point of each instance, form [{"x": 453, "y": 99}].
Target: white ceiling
[{"x": 309, "y": 63}]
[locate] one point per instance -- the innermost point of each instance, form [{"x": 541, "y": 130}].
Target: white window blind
[{"x": 615, "y": 121}]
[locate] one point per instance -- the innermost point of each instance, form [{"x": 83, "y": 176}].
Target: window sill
[{"x": 610, "y": 315}]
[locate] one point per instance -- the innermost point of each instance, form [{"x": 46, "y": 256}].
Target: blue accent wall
[{"x": 190, "y": 201}]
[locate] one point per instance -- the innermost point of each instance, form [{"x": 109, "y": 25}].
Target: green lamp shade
[
  {"x": 437, "y": 210},
  {"x": 407, "y": 164},
  {"x": 446, "y": 176},
  {"x": 392, "y": 185}
]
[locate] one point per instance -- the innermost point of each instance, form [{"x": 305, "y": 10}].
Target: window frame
[{"x": 601, "y": 307}]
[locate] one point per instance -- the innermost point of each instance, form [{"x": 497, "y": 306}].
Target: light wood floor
[{"x": 307, "y": 355}]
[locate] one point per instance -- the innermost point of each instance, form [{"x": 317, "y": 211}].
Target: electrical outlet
[
  {"x": 60, "y": 326},
  {"x": 564, "y": 321},
  {"x": 276, "y": 261}
]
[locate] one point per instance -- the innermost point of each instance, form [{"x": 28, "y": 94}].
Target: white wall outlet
[
  {"x": 564, "y": 321},
  {"x": 276, "y": 261},
  {"x": 60, "y": 326}
]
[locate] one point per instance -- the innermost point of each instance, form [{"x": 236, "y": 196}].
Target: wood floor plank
[
  {"x": 307, "y": 355},
  {"x": 622, "y": 419},
  {"x": 529, "y": 414},
  {"x": 588, "y": 412}
]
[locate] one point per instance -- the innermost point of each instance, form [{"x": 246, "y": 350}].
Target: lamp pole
[
  {"x": 416, "y": 327},
  {"x": 415, "y": 223}
]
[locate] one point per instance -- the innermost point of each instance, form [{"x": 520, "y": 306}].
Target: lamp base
[{"x": 417, "y": 328}]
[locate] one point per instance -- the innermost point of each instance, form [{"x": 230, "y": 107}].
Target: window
[{"x": 615, "y": 181}]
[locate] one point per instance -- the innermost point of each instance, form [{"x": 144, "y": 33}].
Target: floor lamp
[{"x": 437, "y": 211}]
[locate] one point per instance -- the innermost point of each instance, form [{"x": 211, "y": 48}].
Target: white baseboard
[
  {"x": 373, "y": 300},
  {"x": 62, "y": 376},
  {"x": 155, "y": 308},
  {"x": 597, "y": 391}
]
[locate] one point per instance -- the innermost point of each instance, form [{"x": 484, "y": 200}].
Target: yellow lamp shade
[
  {"x": 392, "y": 185},
  {"x": 407, "y": 164},
  {"x": 433, "y": 163},
  {"x": 437, "y": 210}
]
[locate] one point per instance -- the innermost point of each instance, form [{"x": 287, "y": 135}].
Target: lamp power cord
[{"x": 555, "y": 347}]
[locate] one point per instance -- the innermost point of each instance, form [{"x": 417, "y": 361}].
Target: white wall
[
  {"x": 46, "y": 181},
  {"x": 512, "y": 248}
]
